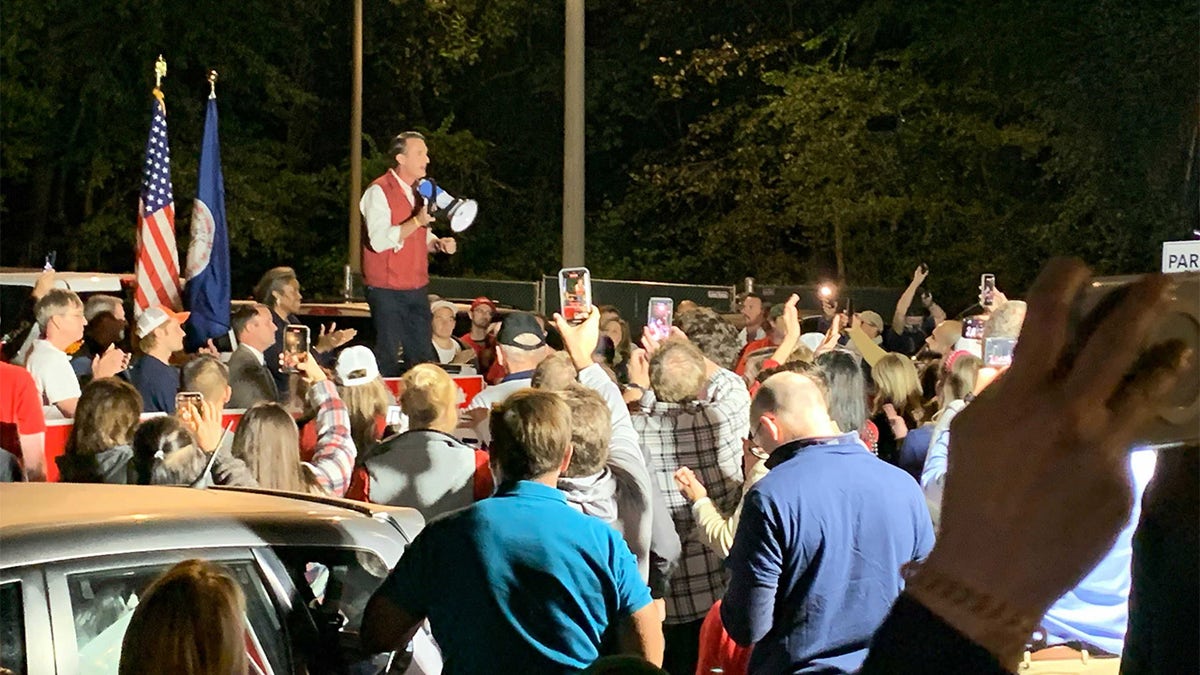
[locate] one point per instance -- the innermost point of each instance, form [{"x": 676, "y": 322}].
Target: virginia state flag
[{"x": 206, "y": 295}]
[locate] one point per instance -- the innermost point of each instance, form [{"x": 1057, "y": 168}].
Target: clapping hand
[
  {"x": 111, "y": 362},
  {"x": 330, "y": 338}
]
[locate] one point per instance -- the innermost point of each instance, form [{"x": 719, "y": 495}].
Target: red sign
[{"x": 469, "y": 385}]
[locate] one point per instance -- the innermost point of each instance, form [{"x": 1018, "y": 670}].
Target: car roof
[
  {"x": 42, "y": 522},
  {"x": 80, "y": 282}
]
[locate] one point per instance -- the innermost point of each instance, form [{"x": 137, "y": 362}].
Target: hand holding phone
[
  {"x": 296, "y": 343},
  {"x": 575, "y": 293},
  {"x": 187, "y": 406},
  {"x": 987, "y": 290},
  {"x": 660, "y": 314}
]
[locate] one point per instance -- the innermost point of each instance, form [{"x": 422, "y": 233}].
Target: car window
[
  {"x": 335, "y": 580},
  {"x": 12, "y": 629},
  {"x": 103, "y": 601}
]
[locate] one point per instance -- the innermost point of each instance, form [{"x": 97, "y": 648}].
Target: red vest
[{"x": 408, "y": 268}]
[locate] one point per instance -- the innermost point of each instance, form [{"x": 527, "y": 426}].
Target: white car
[{"x": 74, "y": 558}]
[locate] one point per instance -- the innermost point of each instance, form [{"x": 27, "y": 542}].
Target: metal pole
[
  {"x": 573, "y": 138},
  {"x": 356, "y": 143}
]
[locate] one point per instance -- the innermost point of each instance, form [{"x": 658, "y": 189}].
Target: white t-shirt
[
  {"x": 446, "y": 355},
  {"x": 51, "y": 370},
  {"x": 489, "y": 397}
]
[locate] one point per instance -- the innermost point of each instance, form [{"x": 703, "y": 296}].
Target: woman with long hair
[
  {"x": 617, "y": 330},
  {"x": 268, "y": 441},
  {"x": 191, "y": 621},
  {"x": 898, "y": 406},
  {"x": 98, "y": 449},
  {"x": 425, "y": 467},
  {"x": 367, "y": 399}
]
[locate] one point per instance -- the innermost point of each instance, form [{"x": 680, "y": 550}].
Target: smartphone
[
  {"x": 575, "y": 293},
  {"x": 188, "y": 402},
  {"x": 660, "y": 313},
  {"x": 1176, "y": 422},
  {"x": 295, "y": 341},
  {"x": 987, "y": 289},
  {"x": 998, "y": 352},
  {"x": 973, "y": 328},
  {"x": 51, "y": 258}
]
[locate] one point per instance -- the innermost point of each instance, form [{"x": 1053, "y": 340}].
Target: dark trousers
[
  {"x": 403, "y": 330},
  {"x": 683, "y": 647}
]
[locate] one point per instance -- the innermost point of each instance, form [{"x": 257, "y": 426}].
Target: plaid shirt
[
  {"x": 333, "y": 460},
  {"x": 705, "y": 436}
]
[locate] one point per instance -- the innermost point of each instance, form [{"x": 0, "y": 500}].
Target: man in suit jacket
[{"x": 249, "y": 377}]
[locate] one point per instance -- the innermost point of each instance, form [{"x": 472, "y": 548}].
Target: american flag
[{"x": 157, "y": 268}]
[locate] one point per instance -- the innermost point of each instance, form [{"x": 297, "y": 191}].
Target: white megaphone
[{"x": 460, "y": 213}]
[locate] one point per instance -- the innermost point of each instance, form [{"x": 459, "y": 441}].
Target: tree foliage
[{"x": 724, "y": 139}]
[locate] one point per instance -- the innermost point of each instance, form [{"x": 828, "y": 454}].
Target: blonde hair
[
  {"x": 591, "y": 430},
  {"x": 677, "y": 371},
  {"x": 959, "y": 379},
  {"x": 896, "y": 378},
  {"x": 365, "y": 402},
  {"x": 207, "y": 375},
  {"x": 429, "y": 396},
  {"x": 268, "y": 441},
  {"x": 191, "y": 621},
  {"x": 555, "y": 373}
]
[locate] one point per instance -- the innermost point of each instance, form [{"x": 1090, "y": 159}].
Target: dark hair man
[
  {"x": 534, "y": 599},
  {"x": 250, "y": 379},
  {"x": 395, "y": 258}
]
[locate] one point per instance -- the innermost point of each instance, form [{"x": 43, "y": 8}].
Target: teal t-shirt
[{"x": 519, "y": 582}]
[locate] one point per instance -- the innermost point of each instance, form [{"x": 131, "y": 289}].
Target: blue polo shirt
[
  {"x": 518, "y": 582},
  {"x": 815, "y": 564},
  {"x": 157, "y": 382}
]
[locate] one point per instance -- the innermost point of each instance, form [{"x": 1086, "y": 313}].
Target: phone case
[{"x": 575, "y": 293}]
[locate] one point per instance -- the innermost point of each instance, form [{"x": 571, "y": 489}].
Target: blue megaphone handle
[{"x": 428, "y": 189}]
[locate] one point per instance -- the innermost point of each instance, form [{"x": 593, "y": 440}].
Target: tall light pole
[
  {"x": 356, "y": 142},
  {"x": 573, "y": 137}
]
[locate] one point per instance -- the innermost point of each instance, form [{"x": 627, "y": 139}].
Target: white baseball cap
[
  {"x": 154, "y": 317},
  {"x": 444, "y": 304},
  {"x": 356, "y": 365}
]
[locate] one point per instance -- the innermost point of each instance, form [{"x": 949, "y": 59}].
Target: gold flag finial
[
  {"x": 212, "y": 84},
  {"x": 160, "y": 71}
]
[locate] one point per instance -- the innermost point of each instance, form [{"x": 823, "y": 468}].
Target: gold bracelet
[{"x": 990, "y": 622}]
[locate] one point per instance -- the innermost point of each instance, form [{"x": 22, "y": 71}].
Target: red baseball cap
[{"x": 483, "y": 300}]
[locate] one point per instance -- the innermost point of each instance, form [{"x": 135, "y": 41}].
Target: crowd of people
[{"x": 730, "y": 499}]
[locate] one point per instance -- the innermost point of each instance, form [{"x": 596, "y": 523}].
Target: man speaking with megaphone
[{"x": 395, "y": 257}]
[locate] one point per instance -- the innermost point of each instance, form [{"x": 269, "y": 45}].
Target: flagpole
[{"x": 355, "y": 252}]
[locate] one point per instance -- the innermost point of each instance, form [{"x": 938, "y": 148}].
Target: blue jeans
[{"x": 403, "y": 329}]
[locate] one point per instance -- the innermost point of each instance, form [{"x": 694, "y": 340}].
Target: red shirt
[
  {"x": 749, "y": 349},
  {"x": 20, "y": 407},
  {"x": 485, "y": 355}
]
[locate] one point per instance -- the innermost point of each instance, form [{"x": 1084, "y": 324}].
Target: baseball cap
[
  {"x": 521, "y": 330},
  {"x": 156, "y": 316},
  {"x": 444, "y": 304},
  {"x": 356, "y": 365},
  {"x": 483, "y": 300},
  {"x": 776, "y": 310},
  {"x": 872, "y": 318}
]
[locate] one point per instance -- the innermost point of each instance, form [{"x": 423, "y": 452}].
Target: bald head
[
  {"x": 944, "y": 337},
  {"x": 790, "y": 406}
]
